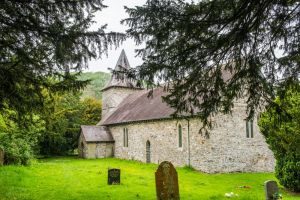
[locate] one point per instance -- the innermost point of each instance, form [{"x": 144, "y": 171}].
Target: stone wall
[
  {"x": 226, "y": 150},
  {"x": 95, "y": 149},
  {"x": 99, "y": 150},
  {"x": 81, "y": 146},
  {"x": 112, "y": 97}
]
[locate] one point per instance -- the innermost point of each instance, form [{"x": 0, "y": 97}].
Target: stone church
[{"x": 137, "y": 127}]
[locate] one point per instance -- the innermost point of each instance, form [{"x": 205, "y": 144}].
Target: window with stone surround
[
  {"x": 179, "y": 135},
  {"x": 125, "y": 137},
  {"x": 249, "y": 128}
]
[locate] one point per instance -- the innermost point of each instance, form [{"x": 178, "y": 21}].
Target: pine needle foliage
[
  {"x": 46, "y": 40},
  {"x": 282, "y": 133},
  {"x": 189, "y": 46}
]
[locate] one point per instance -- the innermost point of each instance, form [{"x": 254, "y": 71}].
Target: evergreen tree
[
  {"x": 282, "y": 133},
  {"x": 43, "y": 40},
  {"x": 192, "y": 45}
]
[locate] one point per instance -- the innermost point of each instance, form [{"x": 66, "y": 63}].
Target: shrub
[
  {"x": 280, "y": 124},
  {"x": 18, "y": 139},
  {"x": 288, "y": 172},
  {"x": 18, "y": 151},
  {"x": 63, "y": 116}
]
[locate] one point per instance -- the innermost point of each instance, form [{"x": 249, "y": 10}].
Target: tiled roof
[
  {"x": 96, "y": 134},
  {"x": 138, "y": 106}
]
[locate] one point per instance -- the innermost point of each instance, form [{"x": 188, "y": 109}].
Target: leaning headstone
[
  {"x": 270, "y": 189},
  {"x": 1, "y": 156},
  {"x": 114, "y": 177},
  {"x": 166, "y": 182}
]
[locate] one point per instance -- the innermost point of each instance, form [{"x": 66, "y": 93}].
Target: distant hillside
[{"x": 99, "y": 80}]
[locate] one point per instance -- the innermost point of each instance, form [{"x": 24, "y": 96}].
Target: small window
[
  {"x": 249, "y": 128},
  {"x": 179, "y": 136},
  {"x": 125, "y": 137}
]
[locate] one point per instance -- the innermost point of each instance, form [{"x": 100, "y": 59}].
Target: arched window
[
  {"x": 249, "y": 128},
  {"x": 125, "y": 137},
  {"x": 148, "y": 152},
  {"x": 179, "y": 135}
]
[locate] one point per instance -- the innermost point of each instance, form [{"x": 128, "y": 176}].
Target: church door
[{"x": 148, "y": 152}]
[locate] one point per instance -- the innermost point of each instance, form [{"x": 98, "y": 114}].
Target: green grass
[{"x": 72, "y": 178}]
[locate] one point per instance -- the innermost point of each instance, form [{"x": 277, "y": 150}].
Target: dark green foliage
[
  {"x": 97, "y": 81},
  {"x": 44, "y": 39},
  {"x": 288, "y": 172},
  {"x": 54, "y": 131},
  {"x": 63, "y": 117},
  {"x": 19, "y": 140},
  {"x": 188, "y": 46},
  {"x": 91, "y": 112},
  {"x": 280, "y": 124}
]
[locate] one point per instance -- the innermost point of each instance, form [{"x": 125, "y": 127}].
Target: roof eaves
[
  {"x": 148, "y": 120},
  {"x": 118, "y": 86},
  {"x": 106, "y": 141}
]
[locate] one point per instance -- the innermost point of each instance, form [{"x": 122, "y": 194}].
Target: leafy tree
[
  {"x": 64, "y": 115},
  {"x": 190, "y": 46},
  {"x": 280, "y": 124},
  {"x": 54, "y": 131},
  {"x": 42, "y": 39},
  {"x": 19, "y": 140},
  {"x": 92, "y": 109}
]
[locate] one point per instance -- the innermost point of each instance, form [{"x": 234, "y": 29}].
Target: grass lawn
[{"x": 72, "y": 178}]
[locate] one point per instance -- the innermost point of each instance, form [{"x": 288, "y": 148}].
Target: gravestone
[
  {"x": 1, "y": 156},
  {"x": 270, "y": 189},
  {"x": 166, "y": 179},
  {"x": 114, "y": 177}
]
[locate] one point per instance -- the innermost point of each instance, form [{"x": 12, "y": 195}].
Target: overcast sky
[{"x": 112, "y": 17}]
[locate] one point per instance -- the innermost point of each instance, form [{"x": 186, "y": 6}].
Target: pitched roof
[
  {"x": 96, "y": 134},
  {"x": 119, "y": 78},
  {"x": 122, "y": 61},
  {"x": 139, "y": 107}
]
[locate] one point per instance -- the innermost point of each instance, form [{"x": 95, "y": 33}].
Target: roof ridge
[{"x": 122, "y": 61}]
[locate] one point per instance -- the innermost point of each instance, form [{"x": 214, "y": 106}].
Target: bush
[
  {"x": 64, "y": 115},
  {"x": 18, "y": 139},
  {"x": 288, "y": 172},
  {"x": 18, "y": 151},
  {"x": 280, "y": 124}
]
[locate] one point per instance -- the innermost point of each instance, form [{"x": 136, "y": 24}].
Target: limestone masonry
[{"x": 141, "y": 129}]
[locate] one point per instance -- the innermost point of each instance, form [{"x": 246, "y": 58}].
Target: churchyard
[{"x": 72, "y": 178}]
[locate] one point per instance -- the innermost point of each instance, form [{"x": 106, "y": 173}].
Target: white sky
[{"x": 112, "y": 17}]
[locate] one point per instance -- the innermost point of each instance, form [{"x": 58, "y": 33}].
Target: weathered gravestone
[
  {"x": 270, "y": 189},
  {"x": 1, "y": 156},
  {"x": 166, "y": 182},
  {"x": 114, "y": 176}
]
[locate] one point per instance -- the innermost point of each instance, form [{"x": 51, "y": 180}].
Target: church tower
[{"x": 118, "y": 88}]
